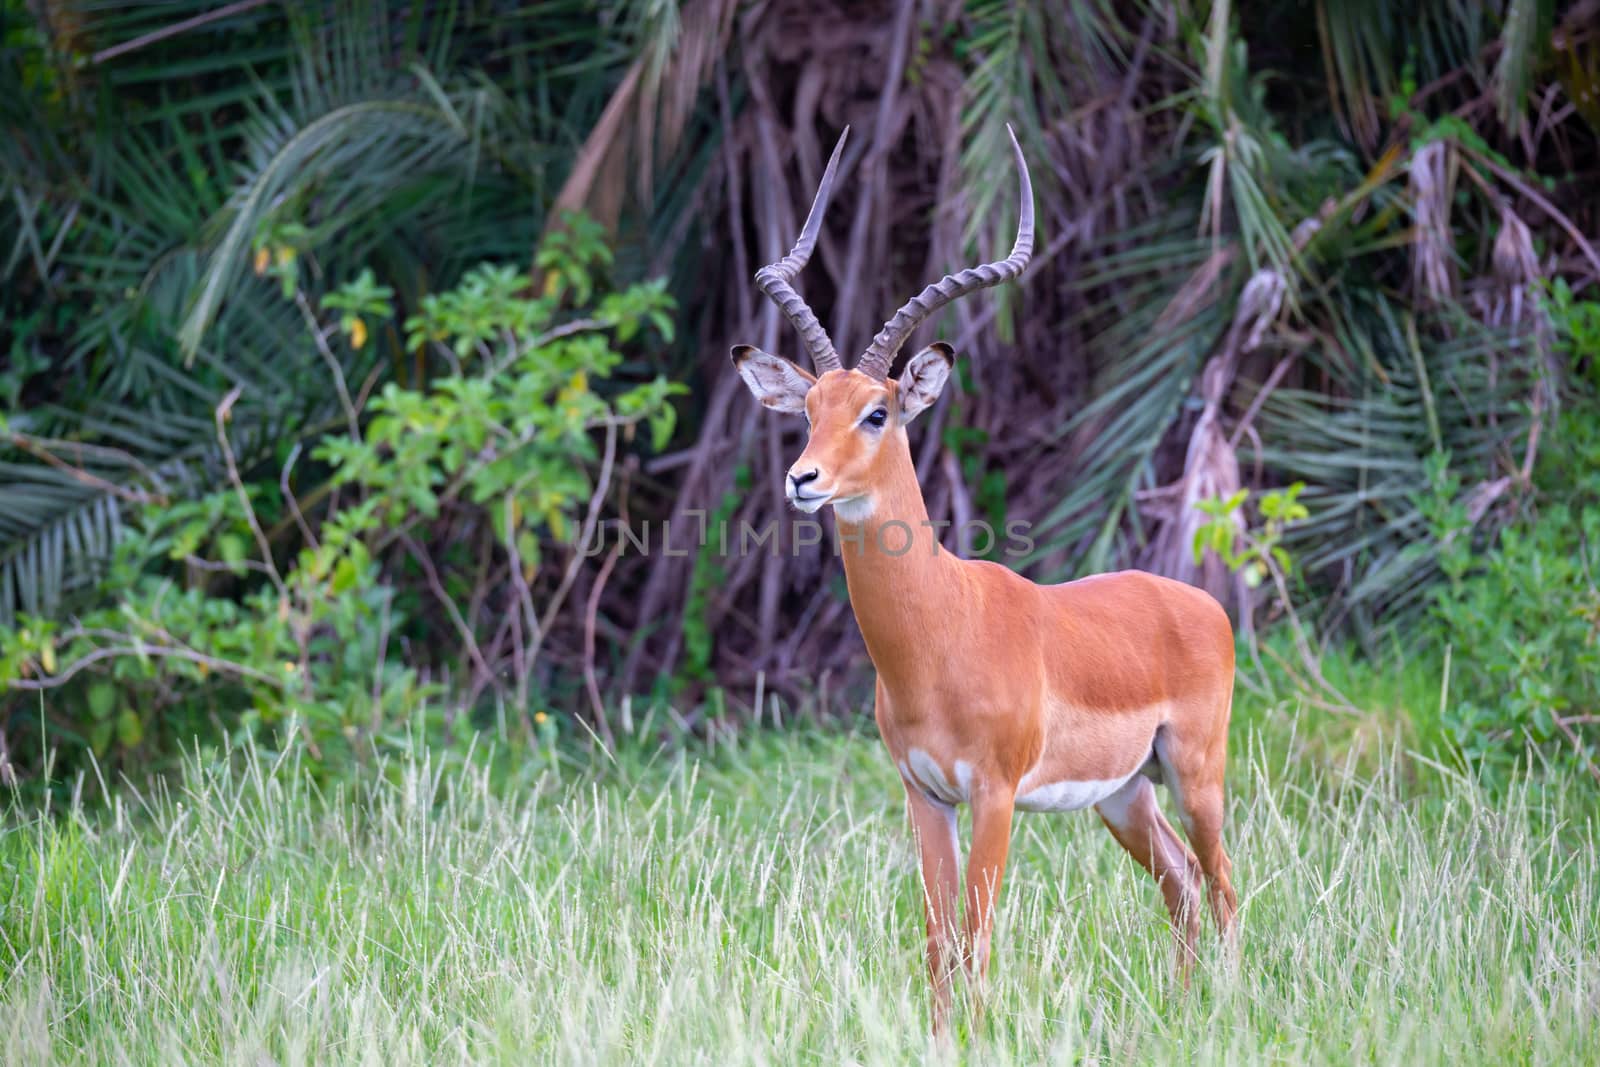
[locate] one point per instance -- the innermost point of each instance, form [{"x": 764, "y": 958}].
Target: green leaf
[
  {"x": 528, "y": 548},
  {"x": 232, "y": 548},
  {"x": 102, "y": 699},
  {"x": 130, "y": 729},
  {"x": 345, "y": 576}
]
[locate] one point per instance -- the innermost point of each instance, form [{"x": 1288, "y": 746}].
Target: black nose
[{"x": 802, "y": 479}]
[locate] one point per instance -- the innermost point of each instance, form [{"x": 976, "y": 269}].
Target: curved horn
[
  {"x": 774, "y": 278},
  {"x": 881, "y": 352}
]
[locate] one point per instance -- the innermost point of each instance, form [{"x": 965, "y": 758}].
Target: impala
[{"x": 991, "y": 690}]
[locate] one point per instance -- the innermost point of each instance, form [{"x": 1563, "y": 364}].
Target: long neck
[{"x": 897, "y": 573}]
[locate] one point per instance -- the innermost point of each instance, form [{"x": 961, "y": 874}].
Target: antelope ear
[
  {"x": 776, "y": 382},
  {"x": 923, "y": 379}
]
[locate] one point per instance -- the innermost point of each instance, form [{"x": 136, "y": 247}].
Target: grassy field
[{"x": 758, "y": 904}]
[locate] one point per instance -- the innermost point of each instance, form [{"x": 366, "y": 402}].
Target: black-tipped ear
[
  {"x": 777, "y": 383},
  {"x": 923, "y": 379}
]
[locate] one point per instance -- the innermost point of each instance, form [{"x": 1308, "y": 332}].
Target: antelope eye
[{"x": 876, "y": 420}]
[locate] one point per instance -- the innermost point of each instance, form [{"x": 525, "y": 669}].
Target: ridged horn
[
  {"x": 775, "y": 278},
  {"x": 881, "y": 352}
]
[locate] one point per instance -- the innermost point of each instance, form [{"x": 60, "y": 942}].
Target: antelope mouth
[{"x": 808, "y": 502}]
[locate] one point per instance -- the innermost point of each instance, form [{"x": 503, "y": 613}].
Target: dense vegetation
[{"x": 339, "y": 337}]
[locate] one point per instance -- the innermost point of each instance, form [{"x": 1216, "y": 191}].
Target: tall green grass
[{"x": 760, "y": 905}]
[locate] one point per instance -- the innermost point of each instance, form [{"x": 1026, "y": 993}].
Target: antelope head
[{"x": 853, "y": 414}]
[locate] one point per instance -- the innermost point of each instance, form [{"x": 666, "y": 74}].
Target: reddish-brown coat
[{"x": 1088, "y": 680}]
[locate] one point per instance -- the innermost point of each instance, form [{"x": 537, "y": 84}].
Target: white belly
[{"x": 1066, "y": 795}]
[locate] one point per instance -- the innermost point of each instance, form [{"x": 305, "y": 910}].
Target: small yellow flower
[
  {"x": 288, "y": 667},
  {"x": 285, "y": 256},
  {"x": 263, "y": 260},
  {"x": 539, "y": 717},
  {"x": 358, "y": 333}
]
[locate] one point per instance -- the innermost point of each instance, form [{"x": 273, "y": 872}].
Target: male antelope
[{"x": 994, "y": 691}]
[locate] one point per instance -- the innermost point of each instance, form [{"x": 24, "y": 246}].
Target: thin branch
[
  {"x": 590, "y": 680},
  {"x": 84, "y": 448},
  {"x": 35, "y": 447},
  {"x": 1556, "y": 215},
  {"x": 515, "y": 351},
  {"x": 221, "y": 417},
  {"x": 321, "y": 339},
  {"x": 526, "y": 613},
  {"x": 438, "y": 590},
  {"x": 1249, "y": 417},
  {"x": 213, "y": 566},
  {"x": 221, "y": 666},
  {"x": 580, "y": 549},
  {"x": 294, "y": 503},
  {"x": 155, "y": 36},
  {"x": 1307, "y": 656}
]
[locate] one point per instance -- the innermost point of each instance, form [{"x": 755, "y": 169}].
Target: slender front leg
[
  {"x": 935, "y": 827},
  {"x": 991, "y": 840}
]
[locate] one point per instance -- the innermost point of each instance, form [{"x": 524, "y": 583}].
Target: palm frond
[
  {"x": 1155, "y": 336},
  {"x": 1373, "y": 50},
  {"x": 1028, "y": 78},
  {"x": 675, "y": 50},
  {"x": 56, "y": 533},
  {"x": 1524, "y": 42},
  {"x": 1364, "y": 452}
]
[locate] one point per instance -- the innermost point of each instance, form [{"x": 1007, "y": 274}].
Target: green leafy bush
[
  {"x": 1522, "y": 620},
  {"x": 249, "y": 611},
  {"x": 1524, "y": 636},
  {"x": 1255, "y": 551}
]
